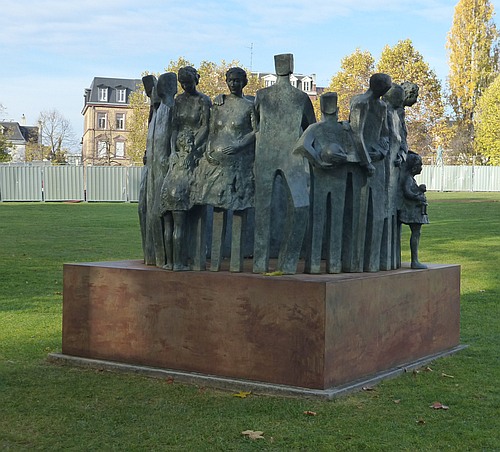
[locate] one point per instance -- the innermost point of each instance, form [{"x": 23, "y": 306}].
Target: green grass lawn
[{"x": 48, "y": 407}]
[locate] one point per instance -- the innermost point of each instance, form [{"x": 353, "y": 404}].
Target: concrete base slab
[{"x": 236, "y": 385}]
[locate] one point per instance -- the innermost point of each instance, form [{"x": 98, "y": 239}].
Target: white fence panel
[
  {"x": 486, "y": 178},
  {"x": 134, "y": 181},
  {"x": 106, "y": 183},
  {"x": 432, "y": 177},
  {"x": 63, "y": 183},
  {"x": 21, "y": 183},
  {"x": 121, "y": 184}
]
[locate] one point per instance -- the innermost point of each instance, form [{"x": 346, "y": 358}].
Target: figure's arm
[
  {"x": 202, "y": 132},
  {"x": 246, "y": 139},
  {"x": 357, "y": 120},
  {"x": 308, "y": 117},
  {"x": 305, "y": 147}
]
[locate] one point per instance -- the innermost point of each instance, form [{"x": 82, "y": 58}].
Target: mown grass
[{"x": 49, "y": 407}]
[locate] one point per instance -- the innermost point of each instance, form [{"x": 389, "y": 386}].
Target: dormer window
[
  {"x": 121, "y": 95},
  {"x": 102, "y": 94}
]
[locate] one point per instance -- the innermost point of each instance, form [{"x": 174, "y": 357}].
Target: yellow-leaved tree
[
  {"x": 487, "y": 124},
  {"x": 352, "y": 79},
  {"x": 425, "y": 120},
  {"x": 473, "y": 61}
]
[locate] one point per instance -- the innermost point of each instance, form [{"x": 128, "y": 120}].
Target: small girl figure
[
  {"x": 176, "y": 201},
  {"x": 413, "y": 210}
]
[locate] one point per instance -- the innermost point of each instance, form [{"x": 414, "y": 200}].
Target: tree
[
  {"x": 57, "y": 136},
  {"x": 213, "y": 76},
  {"x": 5, "y": 147},
  {"x": 138, "y": 125},
  {"x": 5, "y": 144},
  {"x": 473, "y": 60},
  {"x": 487, "y": 124},
  {"x": 425, "y": 120},
  {"x": 352, "y": 79}
]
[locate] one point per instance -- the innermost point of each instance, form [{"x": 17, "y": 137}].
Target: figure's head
[
  {"x": 149, "y": 82},
  {"x": 188, "y": 78},
  {"x": 414, "y": 163},
  {"x": 283, "y": 63},
  {"x": 411, "y": 93},
  {"x": 328, "y": 103},
  {"x": 380, "y": 83},
  {"x": 395, "y": 96},
  {"x": 167, "y": 85},
  {"x": 236, "y": 79}
]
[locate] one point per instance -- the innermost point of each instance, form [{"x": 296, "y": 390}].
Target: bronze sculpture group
[{"x": 260, "y": 177}]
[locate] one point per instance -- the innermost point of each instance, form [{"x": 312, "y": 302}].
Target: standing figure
[
  {"x": 391, "y": 242},
  {"x": 283, "y": 113},
  {"x": 191, "y": 116},
  {"x": 152, "y": 220},
  {"x": 410, "y": 98},
  {"x": 166, "y": 88},
  {"x": 227, "y": 169},
  {"x": 368, "y": 119},
  {"x": 149, "y": 82},
  {"x": 176, "y": 200},
  {"x": 329, "y": 146},
  {"x": 413, "y": 210}
]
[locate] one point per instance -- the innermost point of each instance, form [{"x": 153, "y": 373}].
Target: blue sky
[{"x": 52, "y": 49}]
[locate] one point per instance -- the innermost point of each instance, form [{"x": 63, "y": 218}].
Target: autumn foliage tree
[
  {"x": 473, "y": 61},
  {"x": 487, "y": 124},
  {"x": 352, "y": 79},
  {"x": 425, "y": 119}
]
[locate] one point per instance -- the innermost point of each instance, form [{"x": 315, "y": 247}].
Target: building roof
[
  {"x": 113, "y": 84},
  {"x": 17, "y": 133}
]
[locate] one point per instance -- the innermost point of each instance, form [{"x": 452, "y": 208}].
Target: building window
[
  {"x": 121, "y": 95},
  {"x": 102, "y": 120},
  {"x": 102, "y": 149},
  {"x": 120, "y": 121},
  {"x": 307, "y": 86},
  {"x": 102, "y": 94},
  {"x": 270, "y": 82},
  {"x": 120, "y": 149}
]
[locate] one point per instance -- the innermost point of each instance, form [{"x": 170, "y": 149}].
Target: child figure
[
  {"x": 176, "y": 201},
  {"x": 413, "y": 210}
]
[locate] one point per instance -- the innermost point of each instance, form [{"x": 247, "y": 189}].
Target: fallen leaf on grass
[
  {"x": 420, "y": 421},
  {"x": 242, "y": 394},
  {"x": 428, "y": 369},
  {"x": 439, "y": 406},
  {"x": 368, "y": 388},
  {"x": 310, "y": 413},
  {"x": 398, "y": 401},
  {"x": 170, "y": 380},
  {"x": 253, "y": 434},
  {"x": 446, "y": 375}
]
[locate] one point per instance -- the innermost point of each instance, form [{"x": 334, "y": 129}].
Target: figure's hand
[
  {"x": 422, "y": 188},
  {"x": 370, "y": 169},
  {"x": 318, "y": 163},
  {"x": 219, "y": 99},
  {"x": 210, "y": 159},
  {"x": 398, "y": 161},
  {"x": 230, "y": 150}
]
